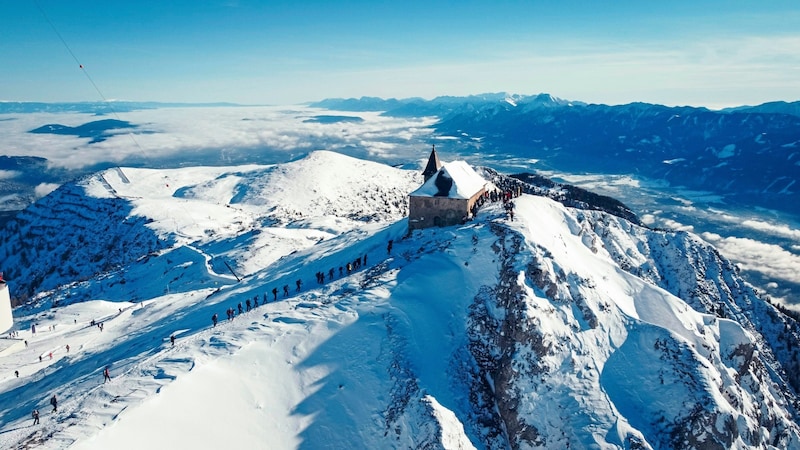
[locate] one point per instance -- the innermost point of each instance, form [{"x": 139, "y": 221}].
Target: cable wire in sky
[
  {"x": 85, "y": 72},
  {"x": 96, "y": 88}
]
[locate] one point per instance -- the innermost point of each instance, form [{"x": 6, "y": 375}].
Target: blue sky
[{"x": 704, "y": 53}]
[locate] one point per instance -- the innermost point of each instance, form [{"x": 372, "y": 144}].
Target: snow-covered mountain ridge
[
  {"x": 562, "y": 328},
  {"x": 262, "y": 204}
]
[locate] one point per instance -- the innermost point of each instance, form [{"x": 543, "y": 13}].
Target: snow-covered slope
[
  {"x": 564, "y": 328},
  {"x": 248, "y": 215}
]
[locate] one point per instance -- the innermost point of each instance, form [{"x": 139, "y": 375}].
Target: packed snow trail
[{"x": 147, "y": 350}]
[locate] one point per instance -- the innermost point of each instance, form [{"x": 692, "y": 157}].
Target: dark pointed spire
[{"x": 433, "y": 165}]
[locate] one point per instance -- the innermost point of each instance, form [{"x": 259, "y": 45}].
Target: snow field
[{"x": 371, "y": 359}]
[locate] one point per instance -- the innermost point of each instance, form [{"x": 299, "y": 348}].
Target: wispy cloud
[
  {"x": 700, "y": 71},
  {"x": 44, "y": 188},
  {"x": 675, "y": 225},
  {"x": 769, "y": 259},
  {"x": 8, "y": 174},
  {"x": 778, "y": 230}
]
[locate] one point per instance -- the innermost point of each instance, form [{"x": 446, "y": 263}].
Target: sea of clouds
[{"x": 223, "y": 134}]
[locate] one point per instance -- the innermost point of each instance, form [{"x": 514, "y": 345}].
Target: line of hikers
[
  {"x": 249, "y": 304},
  {"x": 350, "y": 267}
]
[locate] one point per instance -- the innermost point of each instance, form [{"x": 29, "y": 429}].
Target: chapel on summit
[{"x": 447, "y": 196}]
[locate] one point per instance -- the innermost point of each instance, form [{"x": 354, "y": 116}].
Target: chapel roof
[
  {"x": 455, "y": 179},
  {"x": 433, "y": 164}
]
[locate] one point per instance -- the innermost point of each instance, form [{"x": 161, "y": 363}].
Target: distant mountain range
[
  {"x": 792, "y": 108},
  {"x": 748, "y": 155}
]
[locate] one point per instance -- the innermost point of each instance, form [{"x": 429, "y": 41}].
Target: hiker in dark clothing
[
  {"x": 275, "y": 292},
  {"x": 248, "y": 304},
  {"x": 255, "y": 301},
  {"x": 172, "y": 340},
  {"x": 298, "y": 283},
  {"x": 214, "y": 319},
  {"x": 239, "y": 307},
  {"x": 54, "y": 402},
  {"x": 389, "y": 247},
  {"x": 330, "y": 274},
  {"x": 285, "y": 290},
  {"x": 106, "y": 375},
  {"x": 35, "y": 415}
]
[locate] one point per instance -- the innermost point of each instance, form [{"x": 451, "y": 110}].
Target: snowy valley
[{"x": 566, "y": 327}]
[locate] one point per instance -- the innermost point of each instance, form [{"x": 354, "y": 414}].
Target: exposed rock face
[
  {"x": 102, "y": 236},
  {"x": 556, "y": 354}
]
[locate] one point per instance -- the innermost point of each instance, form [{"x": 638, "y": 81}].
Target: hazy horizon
[{"x": 710, "y": 53}]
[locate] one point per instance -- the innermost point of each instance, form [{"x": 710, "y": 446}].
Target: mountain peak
[{"x": 478, "y": 335}]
